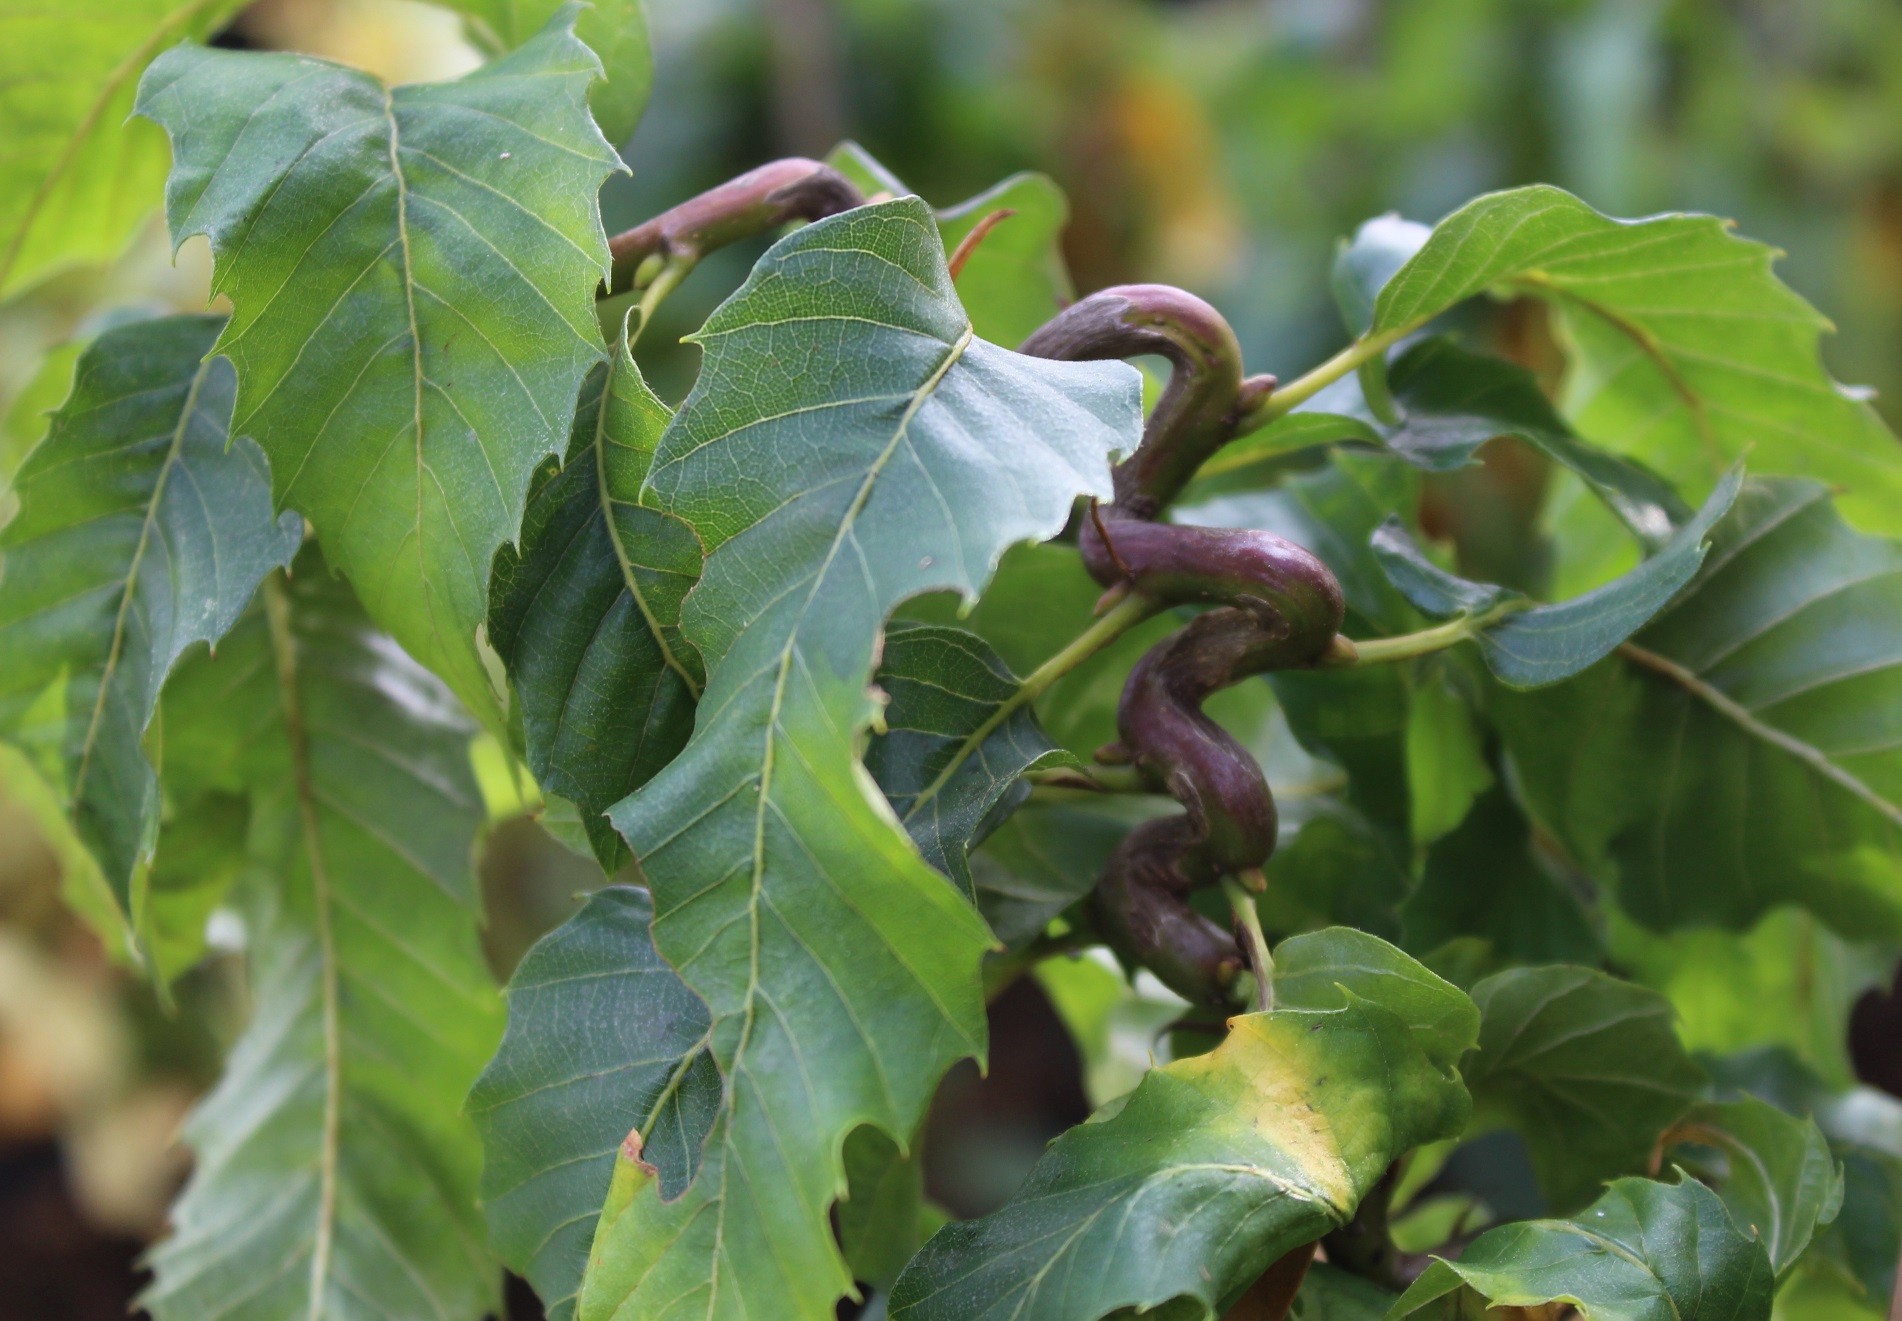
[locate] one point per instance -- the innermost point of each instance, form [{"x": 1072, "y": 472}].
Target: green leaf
[
  {"x": 1686, "y": 351},
  {"x": 1529, "y": 646},
  {"x": 615, "y": 30},
  {"x": 950, "y": 757},
  {"x": 1364, "y": 264},
  {"x": 1047, "y": 856},
  {"x": 586, "y": 615},
  {"x": 1781, "y": 1183},
  {"x": 412, "y": 273},
  {"x": 849, "y": 444},
  {"x": 1014, "y": 280},
  {"x": 1584, "y": 1067},
  {"x": 603, "y": 1039},
  {"x": 1446, "y": 760},
  {"x": 1487, "y": 879},
  {"x": 1746, "y": 749},
  {"x": 1644, "y": 1250},
  {"x": 77, "y": 178},
  {"x": 1454, "y": 401},
  {"x": 1214, "y": 1167},
  {"x": 335, "y": 1173},
  {"x": 882, "y": 1219},
  {"x": 1331, "y": 1294},
  {"x": 1330, "y": 969},
  {"x": 143, "y": 529},
  {"x": 201, "y": 854}
]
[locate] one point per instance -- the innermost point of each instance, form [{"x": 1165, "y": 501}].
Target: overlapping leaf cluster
[{"x": 682, "y": 624}]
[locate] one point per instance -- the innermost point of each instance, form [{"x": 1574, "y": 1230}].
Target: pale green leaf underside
[
  {"x": 603, "y": 1039},
  {"x": 1214, "y": 1167},
  {"x": 1750, "y": 751},
  {"x": 1587, "y": 1069},
  {"x": 586, "y": 615},
  {"x": 1685, "y": 350},
  {"x": 336, "y": 1175},
  {"x": 946, "y": 687},
  {"x": 849, "y": 444},
  {"x": 75, "y": 177},
  {"x": 412, "y": 273},
  {"x": 1645, "y": 1251},
  {"x": 142, "y": 530}
]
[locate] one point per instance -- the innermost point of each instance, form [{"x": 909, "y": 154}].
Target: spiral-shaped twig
[{"x": 1279, "y": 607}]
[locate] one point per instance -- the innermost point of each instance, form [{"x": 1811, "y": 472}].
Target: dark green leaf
[
  {"x": 413, "y": 274},
  {"x": 832, "y": 474},
  {"x": 1644, "y": 1250},
  {"x": 1585, "y": 1067},
  {"x": 1746, "y": 749},
  {"x": 335, "y": 1173},
  {"x": 143, "y": 529},
  {"x": 1529, "y": 646},
  {"x": 1687, "y": 352},
  {"x": 1781, "y": 1183},
  {"x": 201, "y": 852},
  {"x": 1331, "y": 1294},
  {"x": 586, "y": 615},
  {"x": 1049, "y": 855},
  {"x": 882, "y": 1219},
  {"x": 1214, "y": 1166},
  {"x": 946, "y": 760},
  {"x": 603, "y": 1039},
  {"x": 1485, "y": 879}
]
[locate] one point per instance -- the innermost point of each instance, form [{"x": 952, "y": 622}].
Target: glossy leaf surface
[
  {"x": 586, "y": 615},
  {"x": 412, "y": 273},
  {"x": 850, "y": 443},
  {"x": 143, "y": 529},
  {"x": 336, "y": 1174},
  {"x": 1643, "y": 1252}
]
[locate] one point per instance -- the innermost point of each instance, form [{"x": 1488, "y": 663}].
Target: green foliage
[
  {"x": 782, "y": 892},
  {"x": 412, "y": 302},
  {"x": 143, "y": 529},
  {"x": 77, "y": 177},
  {"x": 334, "y": 1148},
  {"x": 1584, "y": 1067},
  {"x": 813, "y": 668},
  {"x": 586, "y": 615},
  {"x": 1644, "y": 1249}
]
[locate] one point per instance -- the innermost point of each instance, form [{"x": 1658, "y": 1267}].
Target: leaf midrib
[{"x": 116, "y": 647}]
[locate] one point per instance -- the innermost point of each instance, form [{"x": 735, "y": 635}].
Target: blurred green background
[{"x": 1224, "y": 145}]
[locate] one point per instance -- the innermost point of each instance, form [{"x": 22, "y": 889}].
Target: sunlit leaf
[
  {"x": 76, "y": 177},
  {"x": 143, "y": 529},
  {"x": 831, "y": 474},
  {"x": 412, "y": 273},
  {"x": 1685, "y": 350}
]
